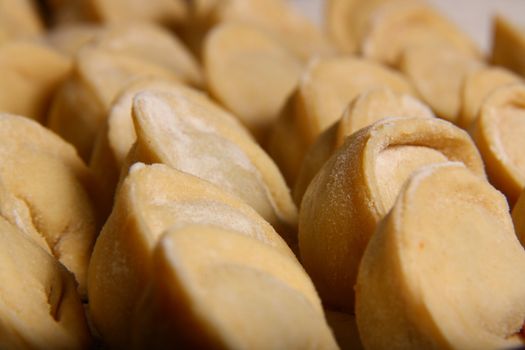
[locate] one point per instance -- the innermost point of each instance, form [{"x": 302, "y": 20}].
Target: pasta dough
[
  {"x": 27, "y": 88},
  {"x": 398, "y": 25},
  {"x": 213, "y": 288},
  {"x": 186, "y": 131},
  {"x": 79, "y": 107},
  {"x": 49, "y": 182},
  {"x": 444, "y": 269},
  {"x": 276, "y": 17},
  {"x": 250, "y": 73},
  {"x": 39, "y": 304},
  {"x": 364, "y": 110},
  {"x": 438, "y": 74},
  {"x": 498, "y": 133},
  {"x": 116, "y": 137},
  {"x": 325, "y": 89},
  {"x": 152, "y": 199},
  {"x": 19, "y": 19},
  {"x": 508, "y": 49},
  {"x": 357, "y": 187},
  {"x": 477, "y": 86}
]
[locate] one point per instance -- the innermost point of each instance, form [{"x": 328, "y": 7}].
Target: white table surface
[{"x": 474, "y": 16}]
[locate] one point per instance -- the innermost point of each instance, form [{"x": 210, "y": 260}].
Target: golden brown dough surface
[
  {"x": 444, "y": 269},
  {"x": 188, "y": 132},
  {"x": 214, "y": 288},
  {"x": 251, "y": 73},
  {"x": 357, "y": 186},
  {"x": 477, "y": 86},
  {"x": 116, "y": 137},
  {"x": 19, "y": 19},
  {"x": 367, "y": 108},
  {"x": 52, "y": 186},
  {"x": 27, "y": 88},
  {"x": 79, "y": 108},
  {"x": 396, "y": 26},
  {"x": 325, "y": 89},
  {"x": 498, "y": 132},
  {"x": 438, "y": 74},
  {"x": 150, "y": 200},
  {"x": 508, "y": 49},
  {"x": 39, "y": 304}
]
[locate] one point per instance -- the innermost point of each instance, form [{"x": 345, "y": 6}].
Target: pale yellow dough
[
  {"x": 508, "y": 47},
  {"x": 325, "y": 89},
  {"x": 27, "y": 88},
  {"x": 346, "y": 21},
  {"x": 143, "y": 41},
  {"x": 498, "y": 132},
  {"x": 19, "y": 19},
  {"x": 214, "y": 288},
  {"x": 367, "y": 108},
  {"x": 115, "y": 57},
  {"x": 16, "y": 211},
  {"x": 276, "y": 17},
  {"x": 438, "y": 74},
  {"x": 116, "y": 137},
  {"x": 444, "y": 269},
  {"x": 150, "y": 200},
  {"x": 357, "y": 187},
  {"x": 39, "y": 304},
  {"x": 477, "y": 86},
  {"x": 251, "y": 73},
  {"x": 338, "y": 15},
  {"x": 185, "y": 130},
  {"x": 79, "y": 108},
  {"x": 153, "y": 44},
  {"x": 396, "y": 26},
  {"x": 48, "y": 190}
]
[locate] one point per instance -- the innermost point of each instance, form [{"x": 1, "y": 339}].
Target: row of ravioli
[
  {"x": 185, "y": 253},
  {"x": 180, "y": 262},
  {"x": 196, "y": 118}
]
